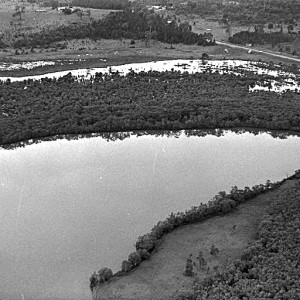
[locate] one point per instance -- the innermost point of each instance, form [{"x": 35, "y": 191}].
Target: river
[{"x": 70, "y": 207}]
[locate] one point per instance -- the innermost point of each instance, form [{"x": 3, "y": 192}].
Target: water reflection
[{"x": 120, "y": 136}]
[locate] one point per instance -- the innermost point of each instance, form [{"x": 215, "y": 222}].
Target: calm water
[{"x": 68, "y": 208}]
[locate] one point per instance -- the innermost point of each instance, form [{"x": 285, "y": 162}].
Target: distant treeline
[
  {"x": 243, "y": 11},
  {"x": 103, "y": 4},
  {"x": 128, "y": 24},
  {"x": 260, "y": 38},
  {"x": 144, "y": 101}
]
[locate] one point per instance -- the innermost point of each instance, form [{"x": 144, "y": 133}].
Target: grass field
[{"x": 37, "y": 17}]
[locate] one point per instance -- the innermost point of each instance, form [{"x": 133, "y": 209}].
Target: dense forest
[
  {"x": 243, "y": 11},
  {"x": 143, "y": 101},
  {"x": 103, "y": 4},
  {"x": 130, "y": 24},
  {"x": 270, "y": 267},
  {"x": 260, "y": 38}
]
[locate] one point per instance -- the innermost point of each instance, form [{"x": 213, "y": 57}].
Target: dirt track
[
  {"x": 162, "y": 277},
  {"x": 258, "y": 51}
]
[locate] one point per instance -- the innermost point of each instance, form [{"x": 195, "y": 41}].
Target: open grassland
[{"x": 37, "y": 17}]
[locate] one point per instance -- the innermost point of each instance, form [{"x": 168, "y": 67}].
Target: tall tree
[{"x": 19, "y": 10}]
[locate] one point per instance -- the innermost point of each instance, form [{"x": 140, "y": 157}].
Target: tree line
[
  {"x": 103, "y": 4},
  {"x": 260, "y": 38},
  {"x": 243, "y": 11},
  {"x": 130, "y": 24}
]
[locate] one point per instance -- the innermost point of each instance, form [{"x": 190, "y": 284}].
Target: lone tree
[
  {"x": 214, "y": 250},
  {"x": 19, "y": 10},
  {"x": 189, "y": 268}
]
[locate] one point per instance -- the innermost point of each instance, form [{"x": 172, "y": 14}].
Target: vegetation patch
[
  {"x": 270, "y": 267},
  {"x": 221, "y": 204},
  {"x": 260, "y": 38},
  {"x": 243, "y": 11},
  {"x": 141, "y": 101},
  {"x": 103, "y": 4},
  {"x": 131, "y": 24}
]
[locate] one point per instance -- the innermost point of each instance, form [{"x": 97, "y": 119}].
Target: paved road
[{"x": 258, "y": 51}]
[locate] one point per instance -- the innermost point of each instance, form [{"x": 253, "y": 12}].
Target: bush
[
  {"x": 135, "y": 258},
  {"x": 126, "y": 266},
  {"x": 146, "y": 242},
  {"x": 227, "y": 205},
  {"x": 105, "y": 273},
  {"x": 144, "y": 254}
]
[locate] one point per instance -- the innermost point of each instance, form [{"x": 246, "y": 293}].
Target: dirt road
[
  {"x": 258, "y": 51},
  {"x": 162, "y": 277}
]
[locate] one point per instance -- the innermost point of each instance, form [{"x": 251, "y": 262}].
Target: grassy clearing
[{"x": 33, "y": 19}]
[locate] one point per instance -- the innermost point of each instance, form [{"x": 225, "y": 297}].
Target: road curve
[{"x": 258, "y": 51}]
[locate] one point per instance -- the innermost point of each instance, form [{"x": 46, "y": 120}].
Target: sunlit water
[
  {"x": 282, "y": 81},
  {"x": 68, "y": 208}
]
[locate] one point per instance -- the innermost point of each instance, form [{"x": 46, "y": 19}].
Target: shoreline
[
  {"x": 128, "y": 283},
  {"x": 114, "y": 135}
]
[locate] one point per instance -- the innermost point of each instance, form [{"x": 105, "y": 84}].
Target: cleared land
[
  {"x": 162, "y": 277},
  {"x": 37, "y": 17},
  {"x": 88, "y": 52}
]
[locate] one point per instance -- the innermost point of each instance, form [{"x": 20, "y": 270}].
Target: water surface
[{"x": 68, "y": 208}]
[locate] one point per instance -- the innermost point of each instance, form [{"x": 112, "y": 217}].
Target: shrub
[
  {"x": 146, "y": 242},
  {"x": 135, "y": 258},
  {"x": 144, "y": 254},
  {"x": 105, "y": 273},
  {"x": 227, "y": 205},
  {"x": 214, "y": 250},
  {"x": 126, "y": 266},
  {"x": 189, "y": 268}
]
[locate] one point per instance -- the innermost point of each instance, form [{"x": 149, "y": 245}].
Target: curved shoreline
[
  {"x": 130, "y": 287},
  {"x": 121, "y": 135}
]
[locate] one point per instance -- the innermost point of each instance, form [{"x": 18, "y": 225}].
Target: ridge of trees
[
  {"x": 260, "y": 38},
  {"x": 141, "y": 101},
  {"x": 103, "y": 4},
  {"x": 130, "y": 24},
  {"x": 243, "y": 11}
]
